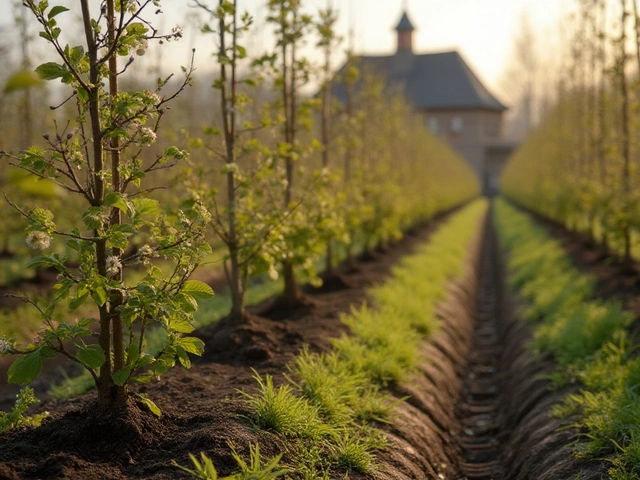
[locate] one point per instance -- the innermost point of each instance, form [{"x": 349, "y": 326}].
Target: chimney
[{"x": 405, "y": 34}]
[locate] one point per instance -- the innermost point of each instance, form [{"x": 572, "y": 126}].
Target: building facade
[{"x": 454, "y": 103}]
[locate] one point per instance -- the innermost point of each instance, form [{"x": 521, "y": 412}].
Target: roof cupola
[{"x": 405, "y": 33}]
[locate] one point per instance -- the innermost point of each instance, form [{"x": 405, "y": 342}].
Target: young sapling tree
[
  {"x": 98, "y": 158},
  {"x": 328, "y": 41},
  {"x": 303, "y": 230},
  {"x": 246, "y": 220}
]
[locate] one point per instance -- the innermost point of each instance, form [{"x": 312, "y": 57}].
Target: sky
[{"x": 481, "y": 30}]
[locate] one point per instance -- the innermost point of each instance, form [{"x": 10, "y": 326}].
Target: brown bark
[
  {"x": 326, "y": 140},
  {"x": 115, "y": 300},
  {"x": 602, "y": 111},
  {"x": 625, "y": 136},
  {"x": 348, "y": 160},
  {"x": 228, "y": 103},
  {"x": 291, "y": 289}
]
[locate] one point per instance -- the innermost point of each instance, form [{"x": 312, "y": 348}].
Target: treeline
[
  {"x": 580, "y": 165},
  {"x": 280, "y": 180}
]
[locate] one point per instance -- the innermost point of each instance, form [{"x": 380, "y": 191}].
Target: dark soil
[{"x": 476, "y": 409}]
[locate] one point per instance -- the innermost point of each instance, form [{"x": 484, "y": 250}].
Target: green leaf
[
  {"x": 186, "y": 303},
  {"x": 26, "y": 368},
  {"x": 149, "y": 404},
  {"x": 116, "y": 199},
  {"x": 92, "y": 218},
  {"x": 121, "y": 376},
  {"x": 183, "y": 356},
  {"x": 192, "y": 345},
  {"x": 50, "y": 71},
  {"x": 99, "y": 291},
  {"x": 118, "y": 240},
  {"x": 57, "y": 10},
  {"x": 198, "y": 290},
  {"x": 180, "y": 325},
  {"x": 22, "y": 80},
  {"x": 145, "y": 207},
  {"x": 133, "y": 352},
  {"x": 76, "y": 54},
  {"x": 77, "y": 301},
  {"x": 100, "y": 295},
  {"x": 55, "y": 260},
  {"x": 91, "y": 356}
]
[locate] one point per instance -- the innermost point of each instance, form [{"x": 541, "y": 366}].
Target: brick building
[{"x": 455, "y": 104}]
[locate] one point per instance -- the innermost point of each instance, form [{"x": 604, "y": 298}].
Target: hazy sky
[{"x": 480, "y": 29}]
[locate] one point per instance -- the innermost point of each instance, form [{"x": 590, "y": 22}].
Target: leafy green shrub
[
  {"x": 354, "y": 452},
  {"x": 575, "y": 335},
  {"x": 15, "y": 418}
]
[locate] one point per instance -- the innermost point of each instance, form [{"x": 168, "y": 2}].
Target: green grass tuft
[{"x": 281, "y": 411}]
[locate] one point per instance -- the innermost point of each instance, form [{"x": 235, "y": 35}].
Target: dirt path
[{"x": 479, "y": 409}]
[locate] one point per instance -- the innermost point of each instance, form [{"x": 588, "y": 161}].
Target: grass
[
  {"x": 281, "y": 411},
  {"x": 587, "y": 337},
  {"x": 204, "y": 469},
  {"x": 332, "y": 405}
]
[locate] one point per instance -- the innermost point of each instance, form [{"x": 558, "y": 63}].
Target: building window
[
  {"x": 456, "y": 124},
  {"x": 433, "y": 125}
]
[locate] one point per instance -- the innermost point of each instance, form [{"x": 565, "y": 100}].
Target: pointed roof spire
[{"x": 405, "y": 24}]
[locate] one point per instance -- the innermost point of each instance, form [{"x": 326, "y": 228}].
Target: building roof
[
  {"x": 405, "y": 24},
  {"x": 433, "y": 81}
]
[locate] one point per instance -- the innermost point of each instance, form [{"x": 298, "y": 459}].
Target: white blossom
[
  {"x": 230, "y": 168},
  {"x": 113, "y": 265},
  {"x": 5, "y": 346},
  {"x": 147, "y": 136},
  {"x": 146, "y": 251},
  {"x": 38, "y": 240},
  {"x": 152, "y": 97}
]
